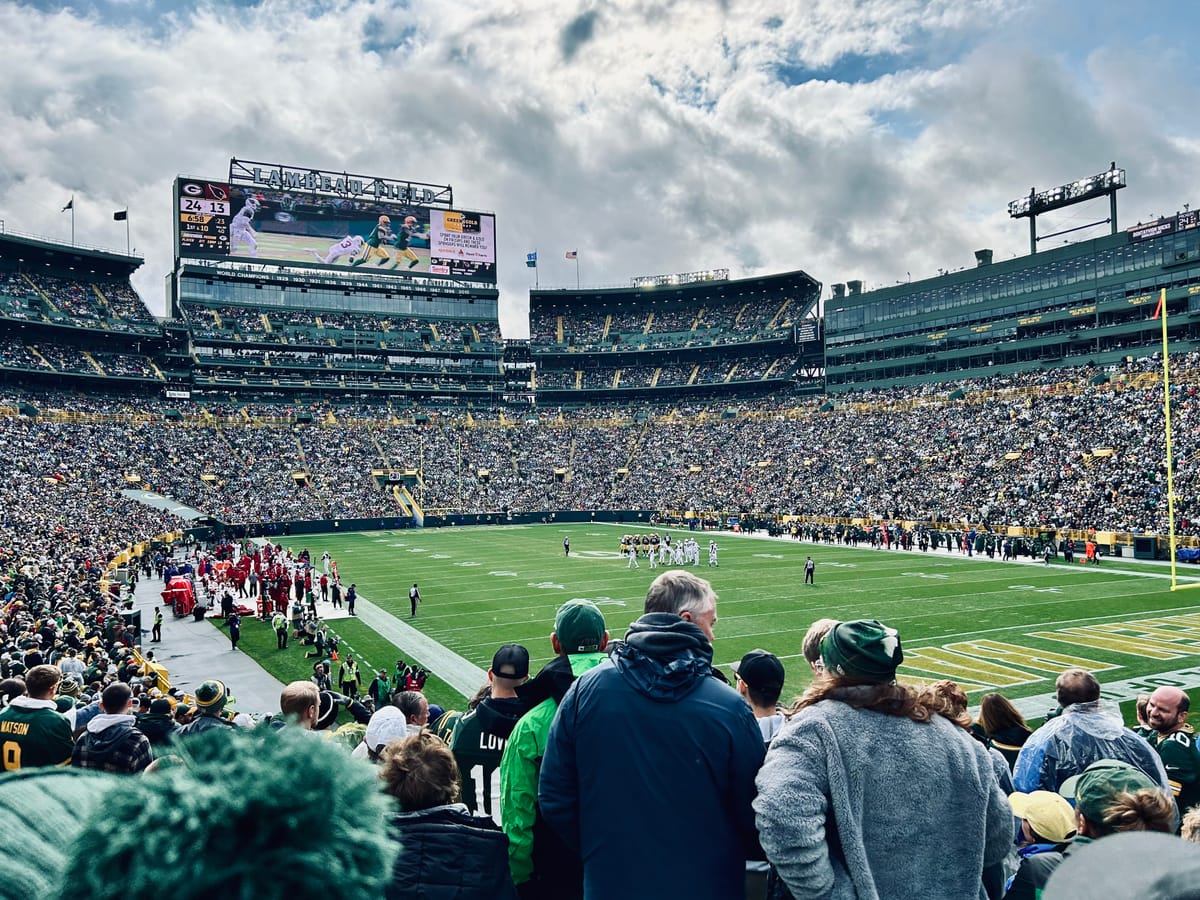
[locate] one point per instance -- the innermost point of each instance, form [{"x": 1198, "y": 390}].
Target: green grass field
[
  {"x": 297, "y": 247},
  {"x": 989, "y": 625}
]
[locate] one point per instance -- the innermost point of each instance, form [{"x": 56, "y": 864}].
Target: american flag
[{"x": 572, "y": 254}]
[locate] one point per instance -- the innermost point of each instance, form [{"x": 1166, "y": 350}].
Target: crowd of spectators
[
  {"x": 44, "y": 356},
  {"x": 362, "y": 330},
  {"x": 812, "y": 799},
  {"x": 66, "y": 358},
  {"x": 656, "y": 326},
  {"x": 112, "y": 305},
  {"x": 75, "y": 298},
  {"x": 1044, "y": 449},
  {"x": 126, "y": 365},
  {"x": 824, "y": 828},
  {"x": 16, "y": 354},
  {"x": 713, "y": 371},
  {"x": 124, "y": 303}
]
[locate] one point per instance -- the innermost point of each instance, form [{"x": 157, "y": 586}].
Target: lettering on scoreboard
[{"x": 204, "y": 214}]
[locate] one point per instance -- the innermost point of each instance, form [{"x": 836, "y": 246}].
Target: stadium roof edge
[
  {"x": 967, "y": 274},
  {"x": 115, "y": 258},
  {"x": 694, "y": 286}
]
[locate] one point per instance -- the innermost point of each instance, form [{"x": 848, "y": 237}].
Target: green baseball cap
[
  {"x": 1094, "y": 788},
  {"x": 579, "y": 625}
]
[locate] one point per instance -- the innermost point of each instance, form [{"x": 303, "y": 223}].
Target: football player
[
  {"x": 380, "y": 234},
  {"x": 347, "y": 246},
  {"x": 407, "y": 232},
  {"x": 240, "y": 230}
]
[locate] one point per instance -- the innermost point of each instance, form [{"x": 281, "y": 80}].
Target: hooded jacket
[
  {"x": 159, "y": 728},
  {"x": 478, "y": 740},
  {"x": 641, "y": 743},
  {"x": 535, "y": 851},
  {"x": 112, "y": 743}
]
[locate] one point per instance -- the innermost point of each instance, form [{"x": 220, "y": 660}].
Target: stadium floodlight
[{"x": 1107, "y": 183}]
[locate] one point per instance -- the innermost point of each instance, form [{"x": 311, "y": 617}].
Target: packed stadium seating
[
  {"x": 109, "y": 304},
  {"x": 1071, "y": 452},
  {"x": 656, "y": 326},
  {"x": 318, "y": 327}
]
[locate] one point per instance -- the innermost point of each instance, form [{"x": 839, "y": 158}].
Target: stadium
[{"x": 998, "y": 461}]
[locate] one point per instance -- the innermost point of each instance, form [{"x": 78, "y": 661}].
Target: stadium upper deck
[
  {"x": 733, "y": 338},
  {"x": 1086, "y": 302},
  {"x": 262, "y": 333},
  {"x": 68, "y": 315},
  {"x": 258, "y": 330}
]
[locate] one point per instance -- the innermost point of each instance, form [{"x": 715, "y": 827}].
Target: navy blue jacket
[{"x": 649, "y": 770}]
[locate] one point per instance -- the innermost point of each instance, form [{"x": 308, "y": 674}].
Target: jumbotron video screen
[{"x": 258, "y": 223}]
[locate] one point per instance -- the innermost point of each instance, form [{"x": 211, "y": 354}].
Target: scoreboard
[
  {"x": 311, "y": 218},
  {"x": 203, "y": 211}
]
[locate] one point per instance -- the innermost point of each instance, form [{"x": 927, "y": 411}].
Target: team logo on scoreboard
[{"x": 205, "y": 189}]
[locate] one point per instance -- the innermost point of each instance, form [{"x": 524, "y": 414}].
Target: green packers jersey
[
  {"x": 1182, "y": 761},
  {"x": 33, "y": 737},
  {"x": 445, "y": 724}
]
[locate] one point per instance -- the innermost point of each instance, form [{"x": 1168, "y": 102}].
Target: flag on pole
[
  {"x": 121, "y": 215},
  {"x": 1158, "y": 309},
  {"x": 531, "y": 259},
  {"x": 572, "y": 254},
  {"x": 70, "y": 205}
]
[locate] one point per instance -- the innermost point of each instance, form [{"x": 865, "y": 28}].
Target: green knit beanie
[{"x": 866, "y": 650}]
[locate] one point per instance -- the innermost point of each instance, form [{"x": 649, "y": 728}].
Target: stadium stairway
[
  {"x": 37, "y": 290},
  {"x": 418, "y": 514},
  {"x": 782, "y": 310},
  {"x": 404, "y": 508}
]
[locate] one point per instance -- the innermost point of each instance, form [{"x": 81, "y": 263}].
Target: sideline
[
  {"x": 459, "y": 673},
  {"x": 197, "y": 651}
]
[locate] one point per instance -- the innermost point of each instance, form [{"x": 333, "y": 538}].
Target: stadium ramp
[
  {"x": 418, "y": 514},
  {"x": 405, "y": 510}
]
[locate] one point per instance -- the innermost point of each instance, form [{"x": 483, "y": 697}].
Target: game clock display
[{"x": 204, "y": 214}]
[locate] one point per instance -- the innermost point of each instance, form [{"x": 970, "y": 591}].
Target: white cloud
[{"x": 651, "y": 136}]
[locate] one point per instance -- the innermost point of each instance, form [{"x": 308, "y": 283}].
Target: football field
[
  {"x": 299, "y": 248},
  {"x": 989, "y": 625}
]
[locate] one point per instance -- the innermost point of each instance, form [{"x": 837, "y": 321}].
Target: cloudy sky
[{"x": 850, "y": 138}]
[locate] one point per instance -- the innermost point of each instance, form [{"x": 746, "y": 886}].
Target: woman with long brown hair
[
  {"x": 1003, "y": 725},
  {"x": 870, "y": 791}
]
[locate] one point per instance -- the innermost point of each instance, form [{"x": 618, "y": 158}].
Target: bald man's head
[{"x": 1167, "y": 710}]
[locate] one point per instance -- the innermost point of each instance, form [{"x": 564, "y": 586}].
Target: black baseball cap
[
  {"x": 760, "y": 670},
  {"x": 511, "y": 661}
]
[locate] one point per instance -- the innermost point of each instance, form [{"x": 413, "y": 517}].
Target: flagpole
[
  {"x": 576, "y": 270},
  {"x": 128, "y": 243},
  {"x": 536, "y": 274},
  {"x": 72, "y": 221}
]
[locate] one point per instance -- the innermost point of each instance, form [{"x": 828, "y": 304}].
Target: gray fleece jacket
[{"x": 859, "y": 804}]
